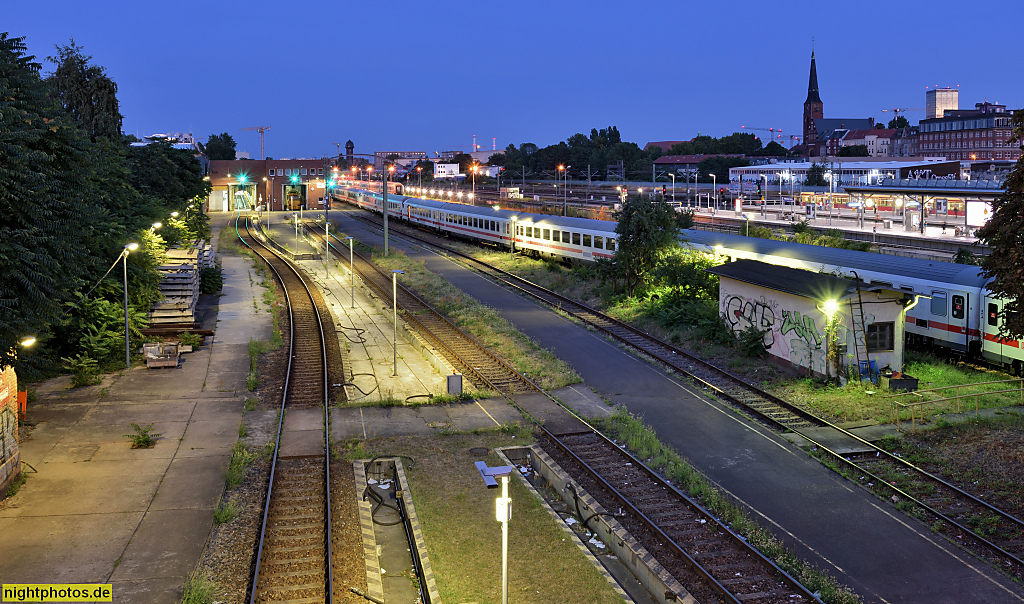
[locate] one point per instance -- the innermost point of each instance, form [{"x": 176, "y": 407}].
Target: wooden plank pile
[{"x": 179, "y": 284}]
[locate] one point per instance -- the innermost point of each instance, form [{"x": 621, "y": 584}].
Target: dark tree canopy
[
  {"x": 853, "y": 151},
  {"x": 816, "y": 176},
  {"x": 85, "y": 92},
  {"x": 898, "y": 122},
  {"x": 645, "y": 230},
  {"x": 43, "y": 209},
  {"x": 220, "y": 146},
  {"x": 1004, "y": 232}
]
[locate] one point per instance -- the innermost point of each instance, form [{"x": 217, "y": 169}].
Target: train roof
[{"x": 929, "y": 270}]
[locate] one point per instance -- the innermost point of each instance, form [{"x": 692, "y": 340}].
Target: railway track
[
  {"x": 293, "y": 555},
  {"x": 995, "y": 534},
  {"x": 725, "y": 566}
]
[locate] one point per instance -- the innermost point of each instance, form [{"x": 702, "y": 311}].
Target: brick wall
[{"x": 10, "y": 457}]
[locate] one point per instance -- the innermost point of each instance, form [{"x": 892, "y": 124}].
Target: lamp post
[
  {"x": 131, "y": 247},
  {"x": 419, "y": 174},
  {"x": 502, "y": 513},
  {"x": 296, "y": 222},
  {"x": 474, "y": 180},
  {"x": 394, "y": 302},
  {"x": 384, "y": 204},
  {"x": 672, "y": 175},
  {"x": 351, "y": 272},
  {"x": 327, "y": 248},
  {"x": 714, "y": 185}
]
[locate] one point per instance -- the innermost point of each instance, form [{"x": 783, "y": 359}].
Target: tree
[
  {"x": 719, "y": 166},
  {"x": 898, "y": 122},
  {"x": 772, "y": 149},
  {"x": 879, "y": 126},
  {"x": 46, "y": 220},
  {"x": 220, "y": 146},
  {"x": 497, "y": 159},
  {"x": 853, "y": 151},
  {"x": 1004, "y": 233},
  {"x": 85, "y": 92},
  {"x": 816, "y": 176},
  {"x": 645, "y": 229}
]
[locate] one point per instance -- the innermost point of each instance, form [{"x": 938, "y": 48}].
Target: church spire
[{"x": 812, "y": 84}]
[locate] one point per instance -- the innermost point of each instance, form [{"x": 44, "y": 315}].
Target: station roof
[
  {"x": 829, "y": 259},
  {"x": 987, "y": 188}
]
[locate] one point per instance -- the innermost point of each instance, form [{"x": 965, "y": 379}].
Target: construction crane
[
  {"x": 772, "y": 130},
  {"x": 261, "y": 130},
  {"x": 794, "y": 140}
]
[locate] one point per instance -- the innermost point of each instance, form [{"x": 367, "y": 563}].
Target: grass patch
[
  {"x": 16, "y": 484},
  {"x": 483, "y": 323},
  {"x": 256, "y": 348},
  {"x": 456, "y": 512},
  {"x": 643, "y": 442},
  {"x": 241, "y": 457},
  {"x": 251, "y": 402},
  {"x": 852, "y": 402},
  {"x": 225, "y": 512},
  {"x": 199, "y": 588}
]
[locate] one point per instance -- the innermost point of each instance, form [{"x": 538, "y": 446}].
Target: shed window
[
  {"x": 880, "y": 336},
  {"x": 939, "y": 303}
]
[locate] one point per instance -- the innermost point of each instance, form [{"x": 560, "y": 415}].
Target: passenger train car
[{"x": 953, "y": 310}]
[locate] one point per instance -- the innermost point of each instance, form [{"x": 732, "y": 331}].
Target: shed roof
[{"x": 809, "y": 284}]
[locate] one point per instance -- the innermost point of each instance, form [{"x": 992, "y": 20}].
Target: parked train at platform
[{"x": 953, "y": 308}]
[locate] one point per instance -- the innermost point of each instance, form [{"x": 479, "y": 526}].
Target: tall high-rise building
[{"x": 939, "y": 100}]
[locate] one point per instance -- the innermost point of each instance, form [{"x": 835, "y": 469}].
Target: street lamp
[
  {"x": 295, "y": 220},
  {"x": 131, "y": 247},
  {"x": 351, "y": 272},
  {"x": 419, "y": 174},
  {"x": 474, "y": 179},
  {"x": 394, "y": 302},
  {"x": 502, "y": 513}
]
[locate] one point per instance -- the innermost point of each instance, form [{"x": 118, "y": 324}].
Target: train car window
[
  {"x": 547, "y": 234},
  {"x": 586, "y": 240},
  {"x": 939, "y": 303},
  {"x": 598, "y": 241},
  {"x": 609, "y": 244},
  {"x": 555, "y": 235},
  {"x": 880, "y": 337},
  {"x": 958, "y": 307},
  {"x": 529, "y": 231},
  {"x": 993, "y": 315},
  {"x": 519, "y": 230},
  {"x": 565, "y": 236},
  {"x": 575, "y": 238}
]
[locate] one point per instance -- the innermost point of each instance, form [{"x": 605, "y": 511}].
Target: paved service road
[{"x": 881, "y": 554}]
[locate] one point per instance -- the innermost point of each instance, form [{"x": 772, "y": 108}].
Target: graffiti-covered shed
[{"x": 791, "y": 308}]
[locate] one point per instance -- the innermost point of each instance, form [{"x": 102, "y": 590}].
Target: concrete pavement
[{"x": 97, "y": 511}]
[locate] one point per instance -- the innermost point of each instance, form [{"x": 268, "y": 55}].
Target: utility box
[
  {"x": 455, "y": 384},
  {"x": 887, "y": 224}
]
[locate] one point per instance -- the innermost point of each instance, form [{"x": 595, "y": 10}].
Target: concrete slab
[
  {"x": 583, "y": 400},
  {"x": 64, "y": 549},
  {"x": 166, "y": 545},
  {"x": 470, "y": 416},
  {"x": 148, "y": 591},
  {"x": 303, "y": 419},
  {"x": 192, "y": 483},
  {"x": 211, "y": 435},
  {"x": 554, "y": 418},
  {"x": 302, "y": 443}
]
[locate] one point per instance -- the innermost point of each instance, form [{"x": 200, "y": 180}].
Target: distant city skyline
[{"x": 427, "y": 78}]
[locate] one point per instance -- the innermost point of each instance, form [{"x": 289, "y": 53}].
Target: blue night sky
[{"x": 427, "y": 76}]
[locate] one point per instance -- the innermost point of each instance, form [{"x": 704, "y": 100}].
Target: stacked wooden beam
[{"x": 179, "y": 284}]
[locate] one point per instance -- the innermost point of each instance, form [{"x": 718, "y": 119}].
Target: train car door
[{"x": 995, "y": 348}]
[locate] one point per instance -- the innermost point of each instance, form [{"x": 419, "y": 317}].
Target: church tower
[{"x": 813, "y": 107}]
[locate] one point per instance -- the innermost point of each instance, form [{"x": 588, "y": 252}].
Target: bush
[
  {"x": 85, "y": 371},
  {"x": 751, "y": 342},
  {"x": 190, "y": 339},
  {"x": 211, "y": 280}
]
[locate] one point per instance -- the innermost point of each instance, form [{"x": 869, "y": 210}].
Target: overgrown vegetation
[
  {"x": 644, "y": 443},
  {"x": 226, "y": 511},
  {"x": 211, "y": 280},
  {"x": 241, "y": 457},
  {"x": 15, "y": 485},
  {"x": 199, "y": 588}
]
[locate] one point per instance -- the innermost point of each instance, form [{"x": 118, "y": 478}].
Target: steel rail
[{"x": 275, "y": 261}]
